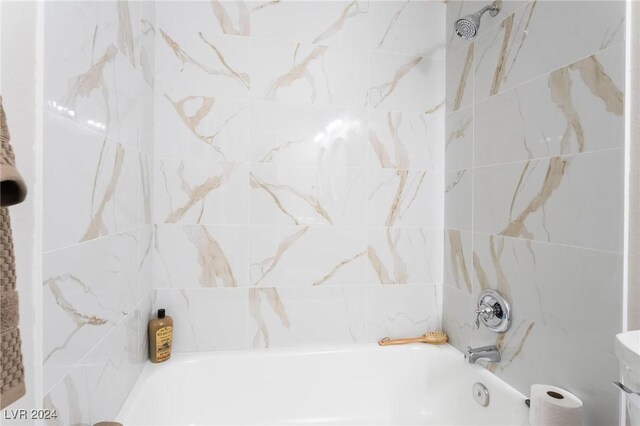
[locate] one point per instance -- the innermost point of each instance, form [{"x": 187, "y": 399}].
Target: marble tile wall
[
  {"x": 98, "y": 229},
  {"x": 298, "y": 171},
  {"x": 534, "y": 191}
]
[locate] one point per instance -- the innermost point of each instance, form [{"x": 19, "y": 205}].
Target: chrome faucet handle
[
  {"x": 493, "y": 311},
  {"x": 486, "y": 312}
]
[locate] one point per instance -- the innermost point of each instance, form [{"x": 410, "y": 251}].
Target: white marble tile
[
  {"x": 145, "y": 261},
  {"x": 405, "y": 198},
  {"x": 202, "y": 63},
  {"x": 193, "y": 126},
  {"x": 459, "y": 140},
  {"x": 146, "y": 137},
  {"x": 458, "y": 202},
  {"x": 458, "y": 260},
  {"x": 87, "y": 289},
  {"x": 408, "y": 27},
  {"x": 120, "y": 22},
  {"x": 577, "y": 108},
  {"x": 146, "y": 61},
  {"x": 200, "y": 256},
  {"x": 96, "y": 388},
  {"x": 89, "y": 80},
  {"x": 307, "y": 256},
  {"x": 144, "y": 199},
  {"x": 70, "y": 399},
  {"x": 203, "y": 192},
  {"x": 403, "y": 310},
  {"x": 205, "y": 319},
  {"x": 533, "y": 353},
  {"x": 295, "y": 135},
  {"x": 575, "y": 200},
  {"x": 542, "y": 279},
  {"x": 460, "y": 79},
  {"x": 405, "y": 83},
  {"x": 404, "y": 256},
  {"x": 307, "y": 74},
  {"x": 329, "y": 23},
  {"x": 284, "y": 195},
  {"x": 112, "y": 368},
  {"x": 145, "y": 314},
  {"x": 406, "y": 141},
  {"x": 535, "y": 40},
  {"x": 98, "y": 196},
  {"x": 306, "y": 316},
  {"x": 459, "y": 316},
  {"x": 218, "y": 16}
]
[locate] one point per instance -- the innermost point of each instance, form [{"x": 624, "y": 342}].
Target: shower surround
[
  {"x": 98, "y": 128},
  {"x": 279, "y": 174},
  {"x": 534, "y": 191},
  {"x": 269, "y": 172},
  {"x": 298, "y": 171}
]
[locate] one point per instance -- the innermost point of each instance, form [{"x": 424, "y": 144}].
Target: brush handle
[{"x": 388, "y": 341}]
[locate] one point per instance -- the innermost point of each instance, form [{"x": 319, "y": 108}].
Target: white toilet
[{"x": 628, "y": 351}]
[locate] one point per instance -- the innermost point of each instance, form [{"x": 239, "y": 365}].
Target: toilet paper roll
[{"x": 552, "y": 406}]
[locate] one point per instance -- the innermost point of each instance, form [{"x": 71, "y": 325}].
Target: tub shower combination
[{"x": 302, "y": 183}]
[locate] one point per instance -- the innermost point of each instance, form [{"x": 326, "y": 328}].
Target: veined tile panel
[
  {"x": 331, "y": 23},
  {"x": 200, "y": 191},
  {"x": 206, "y": 319},
  {"x": 284, "y": 195},
  {"x": 460, "y": 79},
  {"x": 405, "y": 198},
  {"x": 121, "y": 22},
  {"x": 401, "y": 311},
  {"x": 218, "y": 16},
  {"x": 534, "y": 40},
  {"x": 458, "y": 260},
  {"x": 458, "y": 317},
  {"x": 408, "y": 27},
  {"x": 578, "y": 108},
  {"x": 542, "y": 279},
  {"x": 98, "y": 196},
  {"x": 404, "y": 255},
  {"x": 459, "y": 140},
  {"x": 202, "y": 63},
  {"x": 191, "y": 126},
  {"x": 310, "y": 136},
  {"x": 308, "y": 74},
  {"x": 301, "y": 316},
  {"x": 90, "y": 81},
  {"x": 97, "y": 387},
  {"x": 405, "y": 83},
  {"x": 148, "y": 41},
  {"x": 574, "y": 199},
  {"x": 406, "y": 141},
  {"x": 87, "y": 289},
  {"x": 200, "y": 256},
  {"x": 534, "y": 353},
  {"x": 307, "y": 255},
  {"x": 458, "y": 202}
]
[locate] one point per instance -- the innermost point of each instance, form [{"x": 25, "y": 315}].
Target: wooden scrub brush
[{"x": 432, "y": 337}]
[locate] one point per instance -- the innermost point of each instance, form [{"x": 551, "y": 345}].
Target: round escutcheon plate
[{"x": 481, "y": 394}]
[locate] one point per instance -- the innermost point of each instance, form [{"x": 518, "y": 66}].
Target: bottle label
[{"x": 163, "y": 343}]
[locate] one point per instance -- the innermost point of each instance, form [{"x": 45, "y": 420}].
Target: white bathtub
[{"x": 358, "y": 384}]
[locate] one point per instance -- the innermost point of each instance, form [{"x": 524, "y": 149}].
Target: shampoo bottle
[{"x": 160, "y": 337}]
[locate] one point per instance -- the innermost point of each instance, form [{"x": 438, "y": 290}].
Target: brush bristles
[{"x": 436, "y": 337}]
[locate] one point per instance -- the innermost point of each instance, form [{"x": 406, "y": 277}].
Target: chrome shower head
[{"x": 467, "y": 26}]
